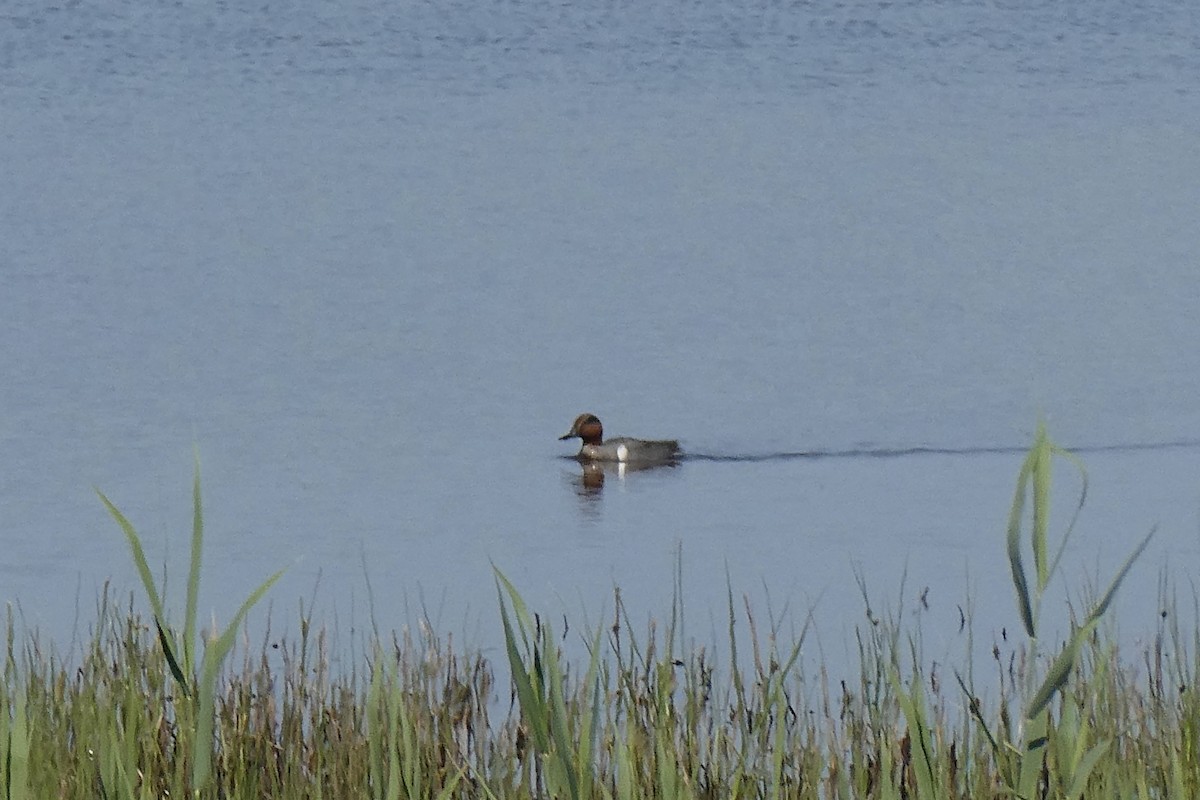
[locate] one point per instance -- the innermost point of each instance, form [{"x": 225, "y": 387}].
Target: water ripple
[{"x": 925, "y": 450}]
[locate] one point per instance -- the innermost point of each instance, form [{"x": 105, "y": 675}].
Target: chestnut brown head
[{"x": 588, "y": 428}]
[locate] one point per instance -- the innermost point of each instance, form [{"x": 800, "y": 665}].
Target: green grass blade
[
  {"x": 1060, "y": 669},
  {"x": 1020, "y": 584},
  {"x": 1106, "y": 600},
  {"x": 1033, "y": 755},
  {"x": 193, "y": 581},
  {"x": 735, "y": 669},
  {"x": 532, "y": 704},
  {"x": 559, "y": 718},
  {"x": 225, "y": 641},
  {"x": 1040, "y": 475},
  {"x": 779, "y": 747},
  {"x": 1084, "y": 769},
  {"x": 973, "y": 706},
  {"x": 214, "y": 656},
  {"x": 15, "y": 747},
  {"x": 395, "y": 775},
  {"x": 520, "y": 610},
  {"x": 912, "y": 703},
  {"x": 1058, "y": 674},
  {"x": 1083, "y": 492},
  {"x": 170, "y": 647},
  {"x": 375, "y": 723},
  {"x": 139, "y": 556},
  {"x": 181, "y": 679},
  {"x": 589, "y": 727},
  {"x": 448, "y": 790},
  {"x": 625, "y": 761},
  {"x": 202, "y": 744}
]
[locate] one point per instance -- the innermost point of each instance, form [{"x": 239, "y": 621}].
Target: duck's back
[{"x": 626, "y": 448}]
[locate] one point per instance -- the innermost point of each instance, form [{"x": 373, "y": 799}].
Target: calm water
[{"x": 373, "y": 258}]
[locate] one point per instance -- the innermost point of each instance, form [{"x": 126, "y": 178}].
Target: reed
[
  {"x": 179, "y": 652},
  {"x": 644, "y": 714},
  {"x": 1024, "y": 755}
]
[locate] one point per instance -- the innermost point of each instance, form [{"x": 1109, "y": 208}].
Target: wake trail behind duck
[{"x": 927, "y": 450}]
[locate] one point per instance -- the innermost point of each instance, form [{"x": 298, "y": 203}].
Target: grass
[{"x": 644, "y": 714}]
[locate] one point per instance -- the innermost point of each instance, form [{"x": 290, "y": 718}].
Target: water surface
[{"x": 372, "y": 259}]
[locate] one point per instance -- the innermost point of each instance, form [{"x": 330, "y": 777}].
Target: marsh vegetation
[{"x": 149, "y": 709}]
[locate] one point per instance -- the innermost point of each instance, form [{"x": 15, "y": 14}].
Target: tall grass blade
[
  {"x": 559, "y": 720},
  {"x": 976, "y": 714},
  {"x": 1041, "y": 475},
  {"x": 912, "y": 703},
  {"x": 181, "y": 679},
  {"x": 170, "y": 647},
  {"x": 1020, "y": 584},
  {"x": 529, "y": 696},
  {"x": 1060, "y": 668},
  {"x": 1083, "y": 770},
  {"x": 204, "y": 712},
  {"x": 1106, "y": 600},
  {"x": 214, "y": 656},
  {"x": 411, "y": 770},
  {"x": 589, "y": 727},
  {"x": 1033, "y": 755},
  {"x": 193, "y": 581},
  {"x": 1058, "y": 673},
  {"x": 448, "y": 790},
  {"x": 1083, "y": 492},
  {"x": 139, "y": 556},
  {"x": 15, "y": 745},
  {"x": 375, "y": 723}
]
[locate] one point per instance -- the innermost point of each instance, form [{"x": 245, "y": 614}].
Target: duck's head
[{"x": 587, "y": 427}]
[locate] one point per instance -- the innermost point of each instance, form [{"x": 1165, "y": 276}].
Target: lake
[{"x": 370, "y": 259}]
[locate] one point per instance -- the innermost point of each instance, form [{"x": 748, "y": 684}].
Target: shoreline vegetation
[{"x": 147, "y": 710}]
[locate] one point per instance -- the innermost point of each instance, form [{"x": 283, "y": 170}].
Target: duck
[{"x": 622, "y": 449}]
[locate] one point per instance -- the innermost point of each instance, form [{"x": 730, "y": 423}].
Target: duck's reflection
[{"x": 589, "y": 483}]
